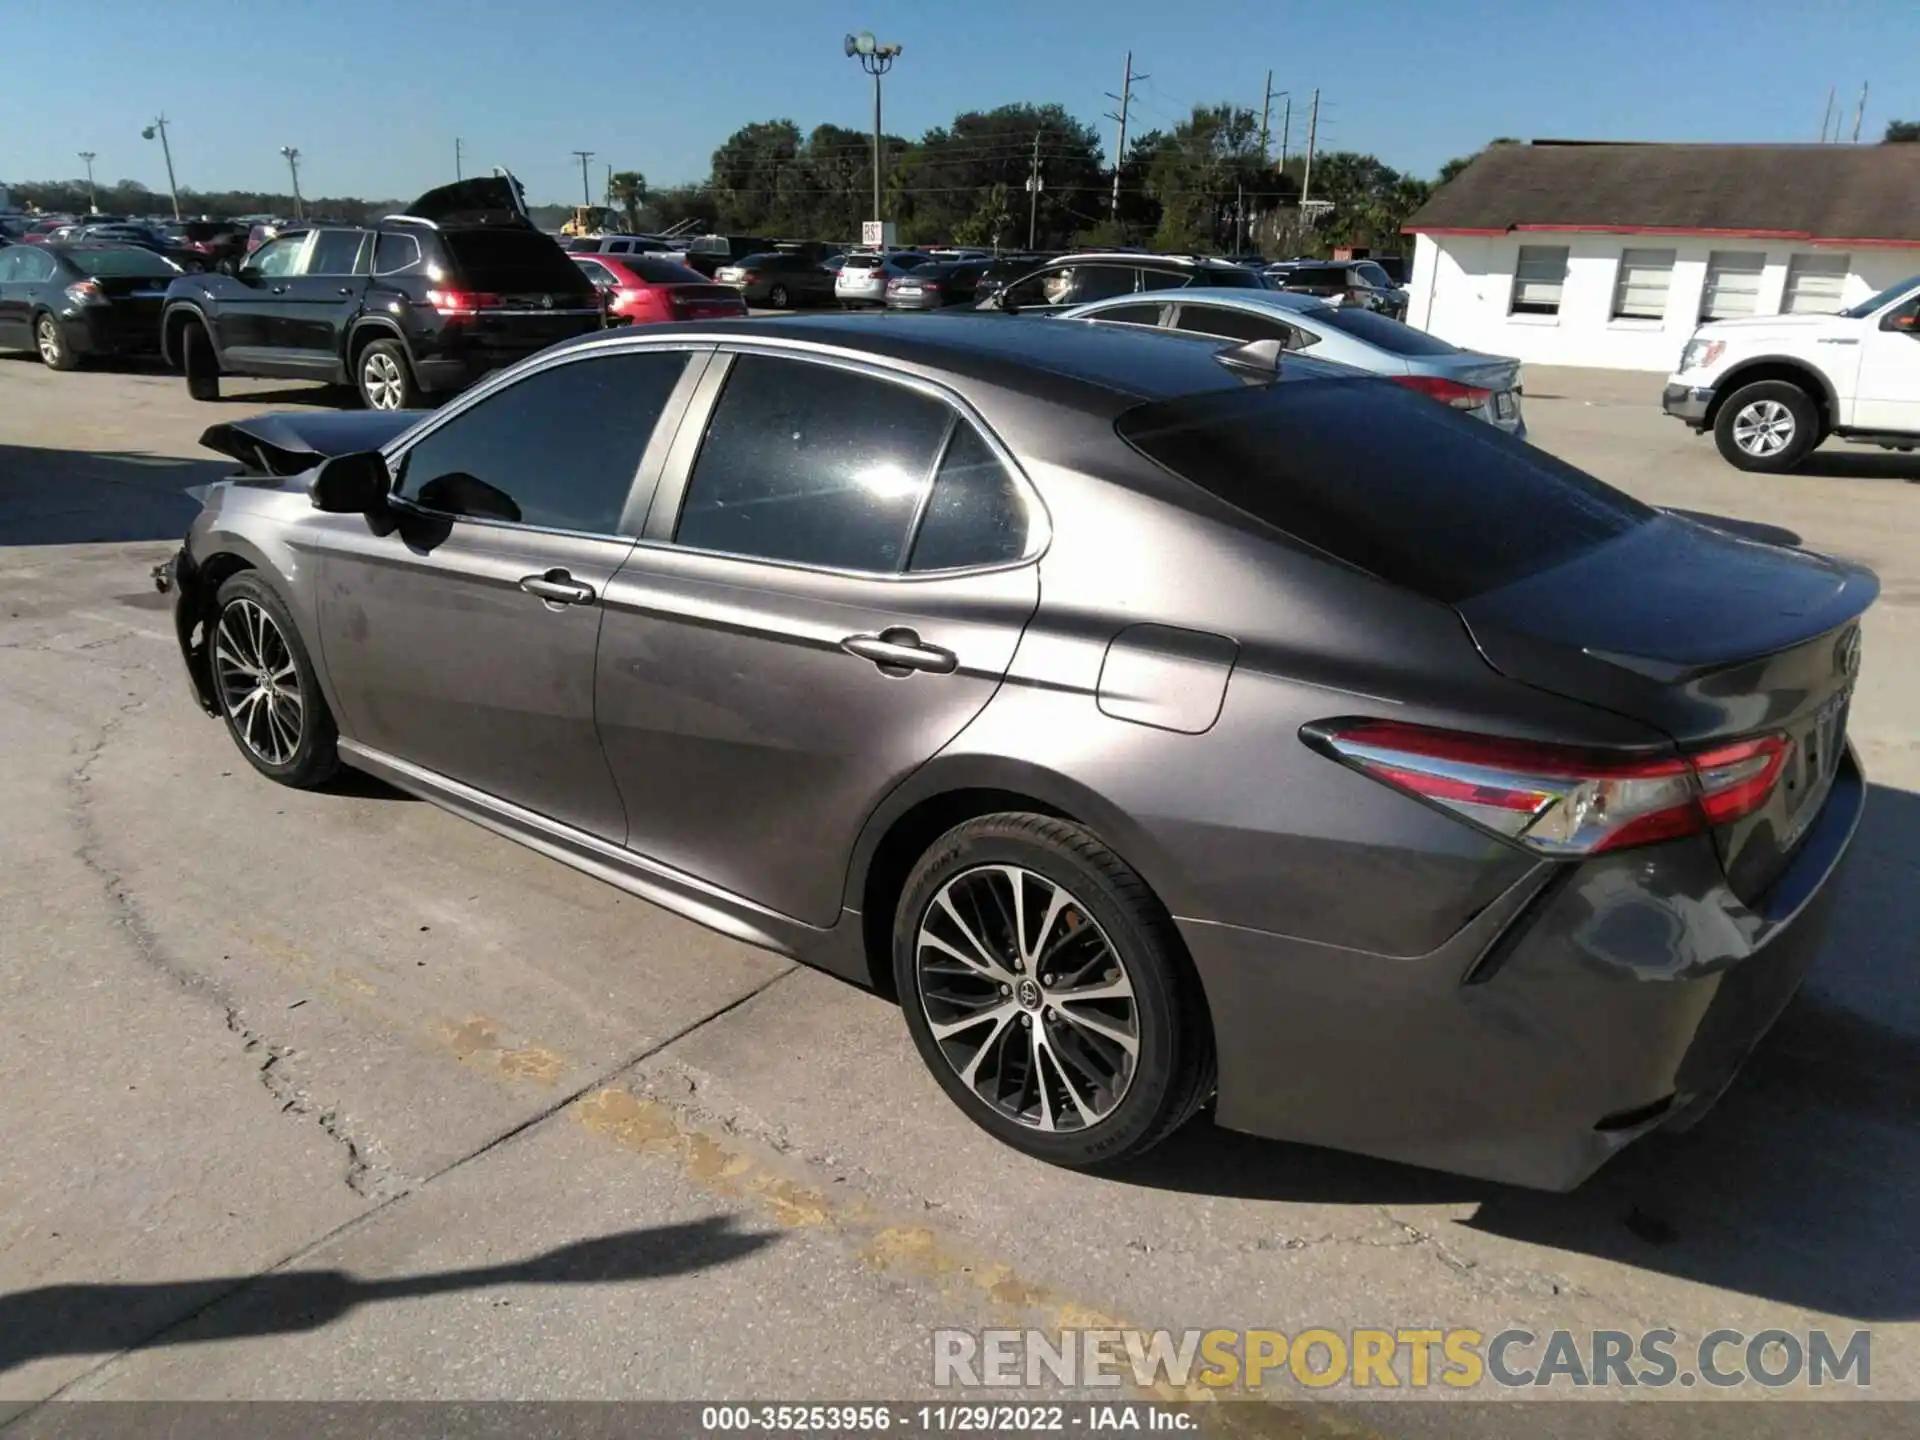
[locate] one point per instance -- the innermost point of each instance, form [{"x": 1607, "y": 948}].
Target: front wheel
[
  {"x": 266, "y": 686},
  {"x": 198, "y": 361},
  {"x": 384, "y": 378},
  {"x": 1768, "y": 426},
  {"x": 1048, "y": 992},
  {"x": 50, "y": 339}
]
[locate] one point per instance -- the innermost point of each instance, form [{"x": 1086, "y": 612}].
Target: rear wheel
[
  {"x": 1048, "y": 992},
  {"x": 267, "y": 690},
  {"x": 779, "y": 299},
  {"x": 384, "y": 378},
  {"x": 198, "y": 362},
  {"x": 50, "y": 339},
  {"x": 1768, "y": 426}
]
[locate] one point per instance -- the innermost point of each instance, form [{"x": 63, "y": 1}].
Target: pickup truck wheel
[
  {"x": 1767, "y": 426},
  {"x": 197, "y": 360},
  {"x": 384, "y": 378}
]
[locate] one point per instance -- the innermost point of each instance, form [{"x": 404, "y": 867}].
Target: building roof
[{"x": 1843, "y": 194}]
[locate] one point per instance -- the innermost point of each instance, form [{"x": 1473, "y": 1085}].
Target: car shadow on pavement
[
  {"x": 104, "y": 1319},
  {"x": 1849, "y": 463},
  {"x": 79, "y": 497},
  {"x": 1799, "y": 1187}
]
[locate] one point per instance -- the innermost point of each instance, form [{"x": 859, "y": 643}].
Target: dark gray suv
[{"x": 1164, "y": 720}]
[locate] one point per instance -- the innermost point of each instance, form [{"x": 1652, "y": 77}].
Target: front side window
[
  {"x": 335, "y": 252},
  {"x": 812, "y": 464},
  {"x": 1538, "y": 279},
  {"x": 1815, "y": 284},
  {"x": 278, "y": 257},
  {"x": 1640, "y": 288},
  {"x": 1733, "y": 284},
  {"x": 558, "y": 449}
]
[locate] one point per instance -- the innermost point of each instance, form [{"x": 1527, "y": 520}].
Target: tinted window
[
  {"x": 1228, "y": 324},
  {"x": 664, "y": 272},
  {"x": 335, "y": 252},
  {"x": 1233, "y": 277},
  {"x": 976, "y": 515},
  {"x": 558, "y": 448},
  {"x": 596, "y": 272},
  {"x": 1129, "y": 315},
  {"x": 812, "y": 464},
  {"x": 122, "y": 262},
  {"x": 1373, "y": 275},
  {"x": 278, "y": 257},
  {"x": 1412, "y": 492},
  {"x": 395, "y": 252},
  {"x": 503, "y": 261},
  {"x": 1376, "y": 329},
  {"x": 1164, "y": 279}
]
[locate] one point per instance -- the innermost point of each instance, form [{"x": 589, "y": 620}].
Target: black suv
[
  {"x": 417, "y": 304},
  {"x": 1076, "y": 279}
]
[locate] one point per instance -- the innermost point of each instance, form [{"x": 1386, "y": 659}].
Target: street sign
[{"x": 878, "y": 233}]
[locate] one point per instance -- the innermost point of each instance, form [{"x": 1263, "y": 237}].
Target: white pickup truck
[{"x": 1771, "y": 387}]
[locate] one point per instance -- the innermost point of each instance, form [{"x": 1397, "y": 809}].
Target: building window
[
  {"x": 1733, "y": 284},
  {"x": 1815, "y": 284},
  {"x": 1640, "y": 289},
  {"x": 1537, "y": 280}
]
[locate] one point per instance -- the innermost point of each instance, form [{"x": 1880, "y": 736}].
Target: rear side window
[
  {"x": 395, "y": 252},
  {"x": 507, "y": 260},
  {"x": 976, "y": 514},
  {"x": 1129, "y": 314},
  {"x": 1385, "y": 480},
  {"x": 1376, "y": 329},
  {"x": 1229, "y": 324},
  {"x": 812, "y": 464},
  {"x": 558, "y": 449}
]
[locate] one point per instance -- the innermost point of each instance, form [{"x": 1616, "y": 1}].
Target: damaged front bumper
[{"x": 179, "y": 577}]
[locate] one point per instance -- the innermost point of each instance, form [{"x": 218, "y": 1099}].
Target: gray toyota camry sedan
[{"x": 1168, "y": 722}]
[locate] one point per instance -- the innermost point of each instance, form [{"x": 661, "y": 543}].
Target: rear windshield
[
  {"x": 663, "y": 272},
  {"x": 1376, "y": 329},
  {"x": 503, "y": 261},
  {"x": 122, "y": 262},
  {"x": 1236, "y": 278},
  {"x": 1386, "y": 480}
]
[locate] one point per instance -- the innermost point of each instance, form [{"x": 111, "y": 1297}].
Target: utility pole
[
  {"x": 1824, "y": 119},
  {"x": 876, "y": 59},
  {"x": 159, "y": 127},
  {"x": 93, "y": 203},
  {"x": 293, "y": 169},
  {"x": 1859, "y": 110},
  {"x": 586, "y": 195},
  {"x": 1125, "y": 99},
  {"x": 1286, "y": 125},
  {"x": 1266, "y": 109},
  {"x": 1313, "y": 134},
  {"x": 457, "y": 174},
  {"x": 1033, "y": 193}
]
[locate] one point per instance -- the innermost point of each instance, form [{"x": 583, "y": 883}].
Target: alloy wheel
[
  {"x": 49, "y": 340},
  {"x": 259, "y": 682},
  {"x": 1763, "y": 428},
  {"x": 382, "y": 380},
  {"x": 1027, "y": 998}
]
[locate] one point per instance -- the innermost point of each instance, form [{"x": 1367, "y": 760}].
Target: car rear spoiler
[{"x": 289, "y": 443}]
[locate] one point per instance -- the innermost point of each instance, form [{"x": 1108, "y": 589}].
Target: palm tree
[{"x": 627, "y": 192}]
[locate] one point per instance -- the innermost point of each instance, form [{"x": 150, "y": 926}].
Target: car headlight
[{"x": 1699, "y": 354}]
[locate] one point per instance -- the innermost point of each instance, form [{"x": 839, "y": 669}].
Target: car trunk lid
[
  {"x": 1709, "y": 636},
  {"x": 289, "y": 443}
]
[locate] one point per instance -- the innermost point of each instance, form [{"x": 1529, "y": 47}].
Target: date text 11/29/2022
[{"x": 962, "y": 1419}]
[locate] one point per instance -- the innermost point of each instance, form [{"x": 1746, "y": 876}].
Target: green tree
[
  {"x": 627, "y": 191},
  {"x": 1209, "y": 179},
  {"x": 1901, "y": 132}
]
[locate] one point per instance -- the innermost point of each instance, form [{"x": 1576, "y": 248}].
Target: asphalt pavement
[{"x": 331, "y": 1096}]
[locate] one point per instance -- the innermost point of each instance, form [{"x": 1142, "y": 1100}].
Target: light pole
[
  {"x": 159, "y": 127},
  {"x": 293, "y": 168},
  {"x": 586, "y": 195},
  {"x": 876, "y": 59},
  {"x": 93, "y": 203}
]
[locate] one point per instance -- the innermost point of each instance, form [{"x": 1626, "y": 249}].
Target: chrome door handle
[
  {"x": 897, "y": 650},
  {"x": 557, "y": 587}
]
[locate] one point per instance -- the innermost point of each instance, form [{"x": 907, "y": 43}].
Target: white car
[
  {"x": 1771, "y": 387},
  {"x": 863, "y": 275}
]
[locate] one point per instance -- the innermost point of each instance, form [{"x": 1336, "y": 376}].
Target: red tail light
[
  {"x": 1560, "y": 800},
  {"x": 461, "y": 302},
  {"x": 1448, "y": 392}
]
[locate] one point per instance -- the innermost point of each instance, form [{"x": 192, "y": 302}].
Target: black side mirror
[{"x": 352, "y": 484}]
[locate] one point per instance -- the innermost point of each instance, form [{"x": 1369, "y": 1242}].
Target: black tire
[
  {"x": 198, "y": 362},
  {"x": 1130, "y": 935},
  {"x": 50, "y": 343},
  {"x": 1757, "y": 418},
  {"x": 383, "y": 377},
  {"x": 257, "y": 725},
  {"x": 779, "y": 299}
]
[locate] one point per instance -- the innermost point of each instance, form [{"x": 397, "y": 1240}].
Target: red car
[{"x": 645, "y": 290}]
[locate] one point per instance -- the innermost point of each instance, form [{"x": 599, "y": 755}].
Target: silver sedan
[{"x": 1486, "y": 386}]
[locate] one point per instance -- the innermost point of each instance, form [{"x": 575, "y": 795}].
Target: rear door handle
[
  {"x": 557, "y": 587},
  {"x": 897, "y": 650}
]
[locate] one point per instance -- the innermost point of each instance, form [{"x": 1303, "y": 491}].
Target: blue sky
[{"x": 374, "y": 93}]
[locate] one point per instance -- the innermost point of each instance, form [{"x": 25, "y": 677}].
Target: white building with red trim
[{"x": 1577, "y": 253}]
